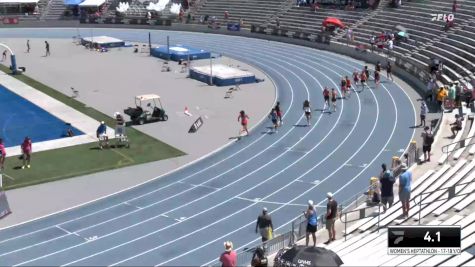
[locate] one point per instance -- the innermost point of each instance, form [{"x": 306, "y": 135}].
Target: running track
[{"x": 184, "y": 217}]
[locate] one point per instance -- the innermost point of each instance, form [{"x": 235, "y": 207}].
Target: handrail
[
  {"x": 451, "y": 190},
  {"x": 462, "y": 141}
]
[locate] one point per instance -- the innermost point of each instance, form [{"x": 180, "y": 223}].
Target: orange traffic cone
[{"x": 187, "y": 112}]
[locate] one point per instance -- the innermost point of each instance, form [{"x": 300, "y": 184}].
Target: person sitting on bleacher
[{"x": 457, "y": 125}]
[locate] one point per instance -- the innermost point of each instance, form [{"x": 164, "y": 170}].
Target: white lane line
[
  {"x": 222, "y": 219},
  {"x": 200, "y": 185},
  {"x": 272, "y": 202},
  {"x": 68, "y": 232},
  {"x": 349, "y": 182},
  {"x": 313, "y": 127},
  {"x": 133, "y": 206},
  {"x": 208, "y": 180},
  {"x": 164, "y": 187}
]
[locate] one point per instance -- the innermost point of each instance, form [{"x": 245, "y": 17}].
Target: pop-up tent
[
  {"x": 333, "y": 21},
  {"x": 72, "y": 2},
  {"x": 92, "y": 3}
]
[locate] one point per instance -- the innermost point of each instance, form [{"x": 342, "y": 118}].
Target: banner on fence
[
  {"x": 323, "y": 38},
  {"x": 10, "y": 20}
]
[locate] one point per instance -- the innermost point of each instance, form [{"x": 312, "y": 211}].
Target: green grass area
[{"x": 82, "y": 159}]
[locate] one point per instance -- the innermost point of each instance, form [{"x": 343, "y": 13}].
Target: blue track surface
[
  {"x": 183, "y": 218},
  {"x": 19, "y": 118}
]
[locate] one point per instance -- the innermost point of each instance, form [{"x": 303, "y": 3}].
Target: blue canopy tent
[{"x": 72, "y": 2}]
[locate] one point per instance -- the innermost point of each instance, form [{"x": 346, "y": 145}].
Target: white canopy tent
[
  {"x": 18, "y": 1},
  {"x": 90, "y": 3}
]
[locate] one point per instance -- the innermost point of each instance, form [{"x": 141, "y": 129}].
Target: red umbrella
[{"x": 334, "y": 21}]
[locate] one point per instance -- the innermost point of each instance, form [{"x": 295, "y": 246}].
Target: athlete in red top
[{"x": 243, "y": 118}]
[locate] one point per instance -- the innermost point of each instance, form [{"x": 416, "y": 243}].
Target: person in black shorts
[
  {"x": 311, "y": 215},
  {"x": 332, "y": 210},
  {"x": 326, "y": 99},
  {"x": 378, "y": 66},
  {"x": 278, "y": 111},
  {"x": 366, "y": 71},
  {"x": 308, "y": 111},
  {"x": 389, "y": 73},
  {"x": 457, "y": 125},
  {"x": 333, "y": 96},
  {"x": 427, "y": 140}
]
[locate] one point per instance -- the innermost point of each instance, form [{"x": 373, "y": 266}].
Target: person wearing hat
[
  {"x": 101, "y": 134},
  {"x": 264, "y": 224},
  {"x": 405, "y": 181},
  {"x": 332, "y": 210},
  {"x": 228, "y": 257},
  {"x": 311, "y": 215}
]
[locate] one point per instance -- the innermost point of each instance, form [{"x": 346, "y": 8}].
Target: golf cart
[{"x": 148, "y": 108}]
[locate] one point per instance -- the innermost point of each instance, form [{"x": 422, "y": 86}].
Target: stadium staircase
[
  {"x": 54, "y": 10},
  {"x": 251, "y": 11}
]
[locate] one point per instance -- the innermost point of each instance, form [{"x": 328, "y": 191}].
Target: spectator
[
  {"x": 390, "y": 47},
  {"x": 277, "y": 23},
  {"x": 3, "y": 155},
  {"x": 228, "y": 257},
  {"x": 349, "y": 36},
  {"x": 372, "y": 42},
  {"x": 454, "y": 6},
  {"x": 120, "y": 124},
  {"x": 441, "y": 95},
  {"x": 101, "y": 134},
  {"x": 389, "y": 71},
  {"x": 28, "y": 46},
  {"x": 427, "y": 140},
  {"x": 332, "y": 210},
  {"x": 451, "y": 96},
  {"x": 423, "y": 113},
  {"x": 311, "y": 215},
  {"x": 264, "y": 224},
  {"x": 386, "y": 180},
  {"x": 405, "y": 181},
  {"x": 26, "y": 148},
  {"x": 226, "y": 15},
  {"x": 430, "y": 88},
  {"x": 47, "y": 49},
  {"x": 4, "y": 55},
  {"x": 258, "y": 258},
  {"x": 457, "y": 125},
  {"x": 458, "y": 94}
]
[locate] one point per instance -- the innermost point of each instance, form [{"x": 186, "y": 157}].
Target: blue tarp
[{"x": 72, "y": 2}]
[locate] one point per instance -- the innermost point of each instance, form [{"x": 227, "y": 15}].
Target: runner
[
  {"x": 348, "y": 86},
  {"x": 378, "y": 66},
  {"x": 243, "y": 118},
  {"x": 366, "y": 71},
  {"x": 377, "y": 79},
  {"x": 343, "y": 87},
  {"x": 389, "y": 70},
  {"x": 355, "y": 77},
  {"x": 326, "y": 99},
  {"x": 333, "y": 96},
  {"x": 308, "y": 111},
  {"x": 273, "y": 117},
  {"x": 363, "y": 78},
  {"x": 279, "y": 113}
]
